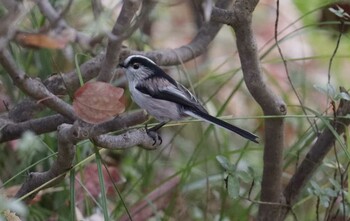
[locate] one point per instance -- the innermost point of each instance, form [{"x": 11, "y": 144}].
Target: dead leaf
[
  {"x": 51, "y": 40},
  {"x": 98, "y": 101}
]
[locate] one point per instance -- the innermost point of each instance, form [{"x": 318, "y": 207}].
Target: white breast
[{"x": 160, "y": 109}]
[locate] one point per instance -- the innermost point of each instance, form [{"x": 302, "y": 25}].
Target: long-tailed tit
[{"x": 166, "y": 99}]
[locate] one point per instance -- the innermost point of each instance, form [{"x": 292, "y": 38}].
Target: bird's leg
[{"x": 152, "y": 132}]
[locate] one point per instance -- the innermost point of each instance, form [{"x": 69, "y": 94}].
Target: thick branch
[
  {"x": 195, "y": 48},
  {"x": 270, "y": 103},
  {"x": 59, "y": 84},
  {"x": 316, "y": 155},
  {"x": 12, "y": 131},
  {"x": 122, "y": 24},
  {"x": 223, "y": 16},
  {"x": 69, "y": 135},
  {"x": 129, "y": 139},
  {"x": 33, "y": 87},
  {"x": 121, "y": 122},
  {"x": 68, "y": 83},
  {"x": 55, "y": 174}
]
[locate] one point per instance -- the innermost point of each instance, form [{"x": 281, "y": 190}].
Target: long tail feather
[{"x": 221, "y": 123}]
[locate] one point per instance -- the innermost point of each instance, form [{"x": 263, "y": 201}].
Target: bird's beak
[{"x": 121, "y": 65}]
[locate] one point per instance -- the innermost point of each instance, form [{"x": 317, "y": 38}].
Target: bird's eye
[{"x": 136, "y": 66}]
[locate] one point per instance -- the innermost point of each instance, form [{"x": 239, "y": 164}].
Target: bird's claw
[{"x": 154, "y": 135}]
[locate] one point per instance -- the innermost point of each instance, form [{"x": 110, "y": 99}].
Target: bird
[{"x": 166, "y": 99}]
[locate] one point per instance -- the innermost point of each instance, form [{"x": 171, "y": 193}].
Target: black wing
[{"x": 170, "y": 92}]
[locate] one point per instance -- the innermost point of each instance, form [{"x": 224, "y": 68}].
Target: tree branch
[
  {"x": 270, "y": 103},
  {"x": 129, "y": 139},
  {"x": 8, "y": 21},
  {"x": 11, "y": 131},
  {"x": 59, "y": 23},
  {"x": 113, "y": 48},
  {"x": 69, "y": 135},
  {"x": 59, "y": 84},
  {"x": 65, "y": 156},
  {"x": 223, "y": 16},
  {"x": 33, "y": 87},
  {"x": 68, "y": 82},
  {"x": 196, "y": 47},
  {"x": 315, "y": 156}
]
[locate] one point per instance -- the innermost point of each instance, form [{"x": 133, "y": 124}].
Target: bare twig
[
  {"x": 240, "y": 20},
  {"x": 128, "y": 139},
  {"x": 33, "y": 87},
  {"x": 271, "y": 189},
  {"x": 316, "y": 154},
  {"x": 65, "y": 156},
  {"x": 285, "y": 64},
  {"x": 113, "y": 48},
  {"x": 196, "y": 47},
  {"x": 60, "y": 24},
  {"x": 69, "y": 135},
  {"x": 12, "y": 131},
  {"x": 61, "y": 84},
  {"x": 9, "y": 21},
  {"x": 270, "y": 103},
  {"x": 120, "y": 122},
  {"x": 68, "y": 82},
  {"x": 122, "y": 30}
]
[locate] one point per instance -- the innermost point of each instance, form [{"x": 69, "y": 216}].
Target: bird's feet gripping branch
[{"x": 153, "y": 133}]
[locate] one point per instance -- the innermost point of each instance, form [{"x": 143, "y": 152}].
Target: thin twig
[
  {"x": 33, "y": 87},
  {"x": 316, "y": 154},
  {"x": 121, "y": 30},
  {"x": 286, "y": 67},
  {"x": 69, "y": 135}
]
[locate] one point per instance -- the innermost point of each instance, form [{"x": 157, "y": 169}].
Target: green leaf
[
  {"x": 316, "y": 190},
  {"x": 328, "y": 90},
  {"x": 331, "y": 193},
  {"x": 335, "y": 183},
  {"x": 324, "y": 201},
  {"x": 233, "y": 186},
  {"x": 224, "y": 162},
  {"x": 342, "y": 95},
  {"x": 244, "y": 176}
]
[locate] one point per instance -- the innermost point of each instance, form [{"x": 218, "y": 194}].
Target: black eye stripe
[{"x": 135, "y": 66}]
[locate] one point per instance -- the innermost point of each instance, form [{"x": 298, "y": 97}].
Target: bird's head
[{"x": 138, "y": 67}]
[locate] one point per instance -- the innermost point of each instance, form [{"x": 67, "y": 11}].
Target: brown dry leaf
[
  {"x": 50, "y": 40},
  {"x": 98, "y": 101}
]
